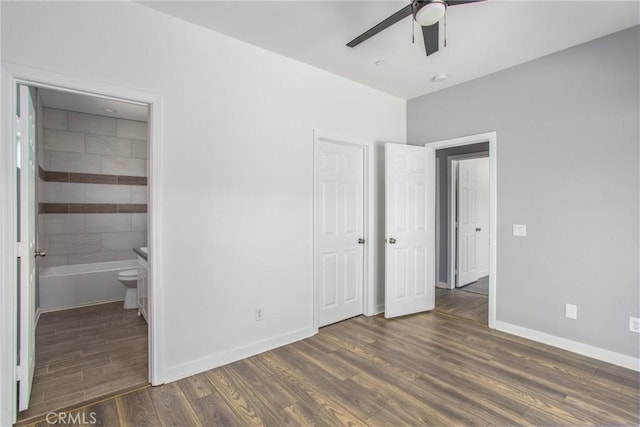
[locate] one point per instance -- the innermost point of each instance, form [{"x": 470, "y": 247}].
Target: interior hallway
[{"x": 85, "y": 354}]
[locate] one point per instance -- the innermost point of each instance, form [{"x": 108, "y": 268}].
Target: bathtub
[{"x": 68, "y": 286}]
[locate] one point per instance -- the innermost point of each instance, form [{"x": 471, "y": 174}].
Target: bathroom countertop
[{"x": 141, "y": 252}]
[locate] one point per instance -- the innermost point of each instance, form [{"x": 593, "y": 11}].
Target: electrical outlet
[
  {"x": 571, "y": 311},
  {"x": 634, "y": 324},
  {"x": 259, "y": 313}
]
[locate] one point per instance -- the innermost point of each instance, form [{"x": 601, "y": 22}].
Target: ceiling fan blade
[
  {"x": 399, "y": 15},
  {"x": 431, "y": 37},
  {"x": 459, "y": 2}
]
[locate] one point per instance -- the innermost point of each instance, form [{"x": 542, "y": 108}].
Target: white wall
[{"x": 236, "y": 160}]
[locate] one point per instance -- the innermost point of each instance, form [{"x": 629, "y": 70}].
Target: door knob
[
  {"x": 392, "y": 241},
  {"x": 478, "y": 229},
  {"x": 38, "y": 252},
  {"x": 361, "y": 241}
]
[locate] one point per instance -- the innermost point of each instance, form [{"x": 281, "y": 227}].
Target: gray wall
[{"x": 567, "y": 157}]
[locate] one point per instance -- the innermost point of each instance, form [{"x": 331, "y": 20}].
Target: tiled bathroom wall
[{"x": 93, "y": 205}]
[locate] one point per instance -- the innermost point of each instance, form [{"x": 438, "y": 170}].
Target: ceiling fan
[{"x": 427, "y": 13}]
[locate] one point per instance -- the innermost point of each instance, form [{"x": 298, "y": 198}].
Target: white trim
[
  {"x": 38, "y": 313},
  {"x": 13, "y": 74},
  {"x": 453, "y": 217},
  {"x": 443, "y": 285},
  {"x": 8, "y": 254},
  {"x": 608, "y": 356},
  {"x": 437, "y": 218},
  {"x": 378, "y": 309},
  {"x": 492, "y": 138},
  {"x": 369, "y": 291},
  {"x": 155, "y": 285},
  {"x": 228, "y": 356}
]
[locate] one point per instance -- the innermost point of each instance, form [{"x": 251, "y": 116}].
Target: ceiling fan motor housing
[{"x": 429, "y": 12}]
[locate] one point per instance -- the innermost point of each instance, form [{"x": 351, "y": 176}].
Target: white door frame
[
  {"x": 451, "y": 200},
  {"x": 11, "y": 75},
  {"x": 368, "y": 292},
  {"x": 492, "y": 138}
]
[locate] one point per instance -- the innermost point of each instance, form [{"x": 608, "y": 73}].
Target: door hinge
[{"x": 21, "y": 372}]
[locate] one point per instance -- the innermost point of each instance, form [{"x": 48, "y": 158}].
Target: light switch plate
[
  {"x": 571, "y": 311},
  {"x": 519, "y": 230}
]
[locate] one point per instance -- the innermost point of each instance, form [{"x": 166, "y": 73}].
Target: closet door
[{"x": 339, "y": 231}]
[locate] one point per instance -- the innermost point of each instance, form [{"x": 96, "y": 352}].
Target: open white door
[
  {"x": 26, "y": 246},
  {"x": 339, "y": 231},
  {"x": 409, "y": 229},
  {"x": 467, "y": 224}
]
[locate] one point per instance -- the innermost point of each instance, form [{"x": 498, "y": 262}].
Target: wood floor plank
[
  {"x": 268, "y": 387},
  {"x": 136, "y": 410},
  {"x": 314, "y": 394},
  {"x": 241, "y": 399},
  {"x": 426, "y": 369},
  {"x": 77, "y": 364},
  {"x": 172, "y": 406},
  {"x": 327, "y": 362},
  {"x": 212, "y": 410},
  {"x": 196, "y": 387}
]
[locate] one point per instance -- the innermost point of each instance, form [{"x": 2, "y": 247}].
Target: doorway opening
[
  {"x": 465, "y": 227},
  {"x": 83, "y": 314},
  {"x": 469, "y": 225}
]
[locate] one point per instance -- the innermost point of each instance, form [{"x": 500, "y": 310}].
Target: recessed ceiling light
[
  {"x": 379, "y": 62},
  {"x": 109, "y": 110},
  {"x": 439, "y": 78}
]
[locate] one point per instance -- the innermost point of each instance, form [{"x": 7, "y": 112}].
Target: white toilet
[{"x": 129, "y": 278}]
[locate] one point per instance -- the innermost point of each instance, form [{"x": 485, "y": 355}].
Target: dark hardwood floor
[
  {"x": 480, "y": 286},
  {"x": 426, "y": 369},
  {"x": 85, "y": 354},
  {"x": 469, "y": 305}
]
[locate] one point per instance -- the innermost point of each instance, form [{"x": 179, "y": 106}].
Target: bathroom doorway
[{"x": 91, "y": 214}]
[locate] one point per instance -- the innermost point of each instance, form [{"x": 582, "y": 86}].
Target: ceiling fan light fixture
[{"x": 431, "y": 13}]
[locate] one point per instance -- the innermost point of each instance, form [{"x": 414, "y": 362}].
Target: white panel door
[
  {"x": 26, "y": 244},
  {"x": 409, "y": 229},
  {"x": 339, "y": 231},
  {"x": 467, "y": 224}
]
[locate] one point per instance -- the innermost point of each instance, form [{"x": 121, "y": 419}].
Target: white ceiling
[
  {"x": 482, "y": 38},
  {"x": 93, "y": 105}
]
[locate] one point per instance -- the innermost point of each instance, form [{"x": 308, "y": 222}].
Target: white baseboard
[
  {"x": 379, "y": 309},
  {"x": 444, "y": 285},
  {"x": 609, "y": 356},
  {"x": 69, "y": 307},
  {"x": 210, "y": 362},
  {"x": 38, "y": 313},
  {"x": 483, "y": 273}
]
